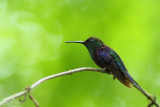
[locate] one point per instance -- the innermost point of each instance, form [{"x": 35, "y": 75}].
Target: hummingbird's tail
[
  {"x": 130, "y": 81},
  {"x": 135, "y": 84},
  {"x": 142, "y": 91}
]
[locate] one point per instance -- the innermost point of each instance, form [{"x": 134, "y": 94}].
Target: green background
[{"x": 32, "y": 36}]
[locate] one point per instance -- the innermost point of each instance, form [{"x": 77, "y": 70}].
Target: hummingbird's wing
[
  {"x": 111, "y": 64},
  {"x": 115, "y": 65},
  {"x": 122, "y": 68}
]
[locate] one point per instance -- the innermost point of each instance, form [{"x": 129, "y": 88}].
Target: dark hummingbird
[{"x": 106, "y": 58}]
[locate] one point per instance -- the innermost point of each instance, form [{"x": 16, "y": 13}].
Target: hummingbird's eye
[{"x": 91, "y": 41}]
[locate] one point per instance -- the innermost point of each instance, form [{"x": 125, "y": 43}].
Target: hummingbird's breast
[
  {"x": 98, "y": 62},
  {"x": 96, "y": 58}
]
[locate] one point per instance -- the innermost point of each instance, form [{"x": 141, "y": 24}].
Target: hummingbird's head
[
  {"x": 90, "y": 43},
  {"x": 93, "y": 42}
]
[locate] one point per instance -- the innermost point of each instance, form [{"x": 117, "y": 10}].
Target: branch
[
  {"x": 5, "y": 100},
  {"x": 29, "y": 89}
]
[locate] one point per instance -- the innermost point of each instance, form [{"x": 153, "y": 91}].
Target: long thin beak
[{"x": 74, "y": 42}]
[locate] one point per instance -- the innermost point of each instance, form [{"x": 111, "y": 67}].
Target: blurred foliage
[{"x": 32, "y": 36}]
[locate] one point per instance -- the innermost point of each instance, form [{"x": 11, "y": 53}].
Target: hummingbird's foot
[
  {"x": 107, "y": 71},
  {"x": 114, "y": 77}
]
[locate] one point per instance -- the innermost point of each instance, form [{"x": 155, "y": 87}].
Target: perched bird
[{"x": 106, "y": 58}]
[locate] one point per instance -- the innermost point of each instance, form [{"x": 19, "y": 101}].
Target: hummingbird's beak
[{"x": 74, "y": 42}]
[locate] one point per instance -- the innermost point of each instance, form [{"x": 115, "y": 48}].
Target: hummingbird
[{"x": 106, "y": 58}]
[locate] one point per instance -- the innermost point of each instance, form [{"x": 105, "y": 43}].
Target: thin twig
[
  {"x": 31, "y": 97},
  {"x": 14, "y": 96},
  {"x": 22, "y": 101},
  {"x": 33, "y": 100},
  {"x": 5, "y": 100}
]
